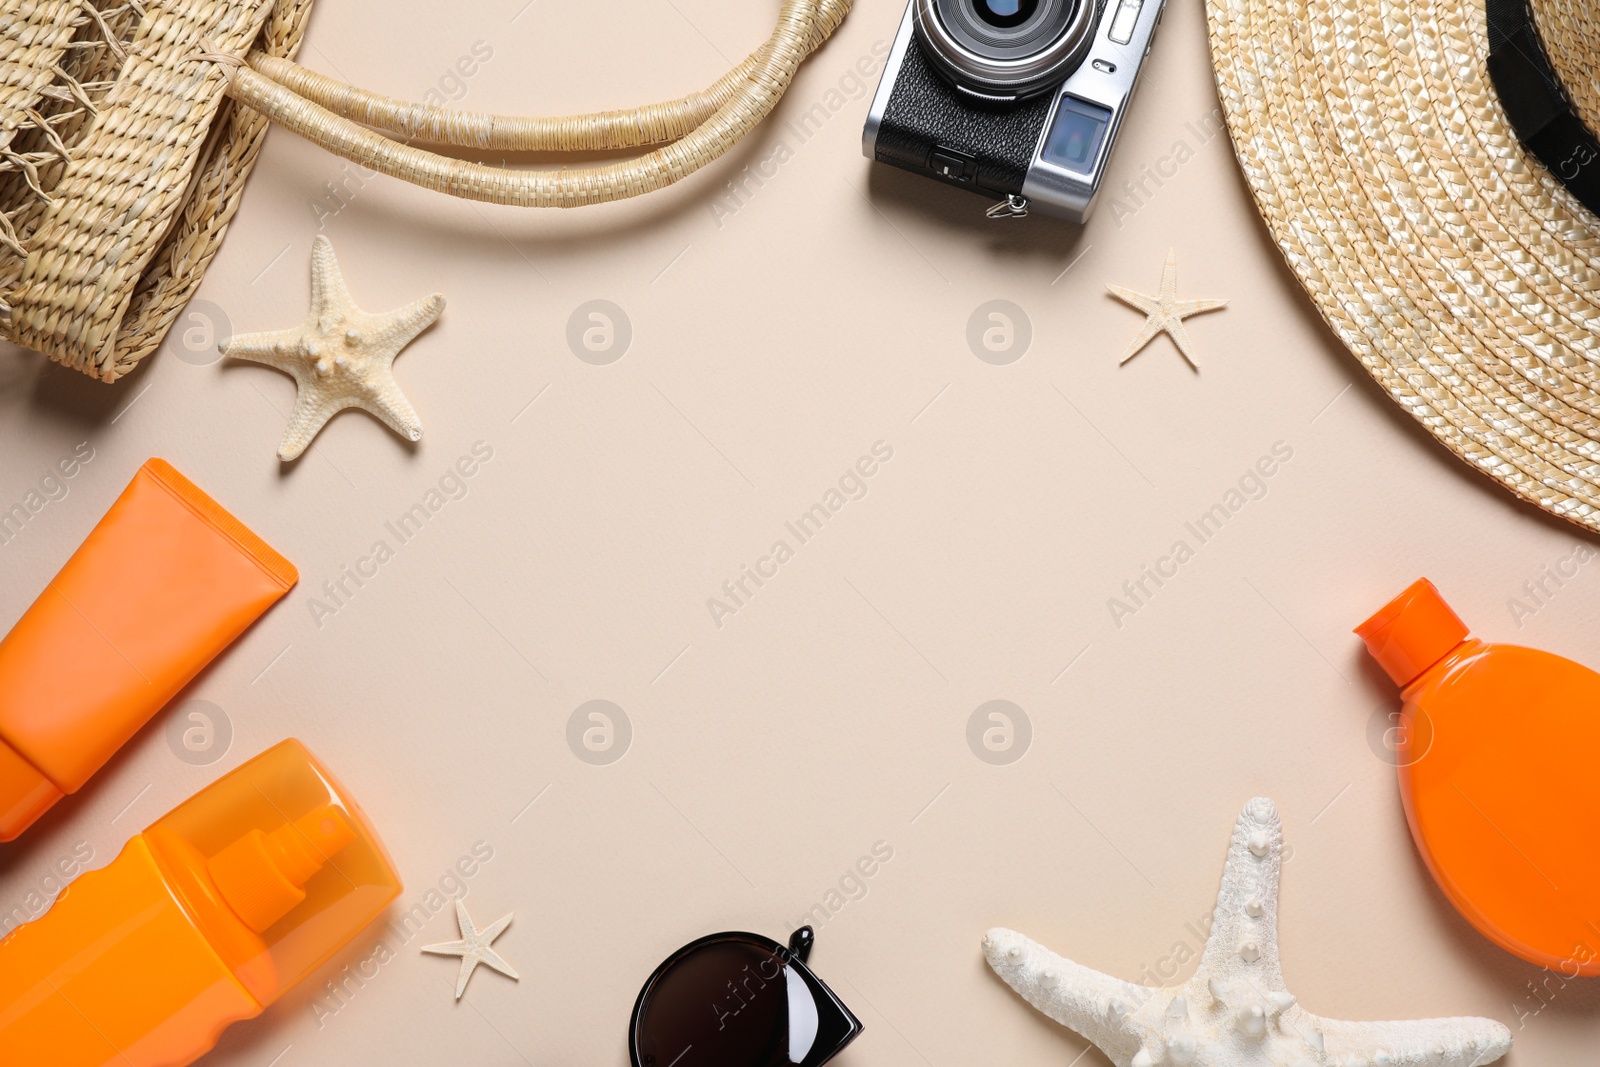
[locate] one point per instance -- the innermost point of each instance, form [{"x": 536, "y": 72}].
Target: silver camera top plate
[{"x": 1064, "y": 176}]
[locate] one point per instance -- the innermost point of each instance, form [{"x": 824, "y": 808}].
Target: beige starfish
[
  {"x": 473, "y": 948},
  {"x": 1166, "y": 311},
  {"x": 340, "y": 357}
]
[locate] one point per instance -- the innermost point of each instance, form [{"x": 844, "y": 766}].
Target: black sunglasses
[{"x": 739, "y": 1000}]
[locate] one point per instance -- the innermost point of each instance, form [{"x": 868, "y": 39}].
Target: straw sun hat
[{"x": 1458, "y": 262}]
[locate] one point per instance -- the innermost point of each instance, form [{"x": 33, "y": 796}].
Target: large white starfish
[
  {"x": 473, "y": 948},
  {"x": 1166, "y": 311},
  {"x": 1235, "y": 1011},
  {"x": 340, "y": 357}
]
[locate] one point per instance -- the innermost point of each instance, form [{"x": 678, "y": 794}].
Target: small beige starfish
[
  {"x": 340, "y": 357},
  {"x": 1166, "y": 311},
  {"x": 473, "y": 948}
]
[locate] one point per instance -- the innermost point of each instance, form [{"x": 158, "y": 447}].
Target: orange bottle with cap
[
  {"x": 164, "y": 582},
  {"x": 1497, "y": 758},
  {"x": 204, "y": 919}
]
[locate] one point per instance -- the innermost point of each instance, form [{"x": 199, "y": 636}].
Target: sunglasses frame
[{"x": 793, "y": 955}]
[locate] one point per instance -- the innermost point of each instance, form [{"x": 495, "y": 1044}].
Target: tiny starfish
[
  {"x": 473, "y": 948},
  {"x": 340, "y": 357},
  {"x": 1235, "y": 1011},
  {"x": 1166, "y": 311}
]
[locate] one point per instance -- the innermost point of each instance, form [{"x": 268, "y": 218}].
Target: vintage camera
[{"x": 1020, "y": 99}]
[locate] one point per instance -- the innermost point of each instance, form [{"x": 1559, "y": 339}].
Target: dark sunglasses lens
[{"x": 728, "y": 1004}]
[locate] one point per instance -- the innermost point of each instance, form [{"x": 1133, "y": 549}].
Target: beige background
[{"x": 772, "y": 346}]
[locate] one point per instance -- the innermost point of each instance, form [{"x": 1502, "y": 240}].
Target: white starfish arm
[
  {"x": 1184, "y": 308},
  {"x": 493, "y": 959},
  {"x": 495, "y": 929},
  {"x": 276, "y": 348},
  {"x": 1146, "y": 334},
  {"x": 1096, "y": 1006},
  {"x": 328, "y": 292},
  {"x": 1146, "y": 304},
  {"x": 1169, "y": 275},
  {"x": 448, "y": 948},
  {"x": 305, "y": 423},
  {"x": 1180, "y": 339},
  {"x": 402, "y": 325},
  {"x": 468, "y": 965},
  {"x": 1461, "y": 1042},
  {"x": 1243, "y": 944},
  {"x": 392, "y": 408}
]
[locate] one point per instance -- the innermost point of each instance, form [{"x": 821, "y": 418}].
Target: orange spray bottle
[
  {"x": 1497, "y": 750},
  {"x": 204, "y": 919}
]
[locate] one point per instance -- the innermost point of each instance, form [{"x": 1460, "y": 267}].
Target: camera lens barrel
[{"x": 1006, "y": 49}]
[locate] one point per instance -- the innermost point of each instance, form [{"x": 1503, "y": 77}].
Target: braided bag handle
[{"x": 363, "y": 127}]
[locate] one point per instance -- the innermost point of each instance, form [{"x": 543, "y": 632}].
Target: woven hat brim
[{"x": 1452, "y": 264}]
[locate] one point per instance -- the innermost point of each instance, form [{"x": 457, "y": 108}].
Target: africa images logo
[
  {"x": 1253, "y": 485},
  {"x": 852, "y": 485},
  {"x": 50, "y": 488},
  {"x": 453, "y": 485}
]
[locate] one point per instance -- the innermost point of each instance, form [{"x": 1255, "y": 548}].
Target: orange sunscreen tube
[
  {"x": 167, "y": 580},
  {"x": 1496, "y": 753},
  {"x": 205, "y": 919}
]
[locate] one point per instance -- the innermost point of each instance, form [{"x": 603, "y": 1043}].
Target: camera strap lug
[{"x": 1012, "y": 207}]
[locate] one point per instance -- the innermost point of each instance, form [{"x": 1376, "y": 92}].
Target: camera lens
[
  {"x": 1005, "y": 14},
  {"x": 1006, "y": 49}
]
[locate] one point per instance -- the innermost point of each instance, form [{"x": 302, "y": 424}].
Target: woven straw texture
[
  {"x": 57, "y": 58},
  {"x": 122, "y": 160},
  {"x": 121, "y": 164},
  {"x": 1457, "y": 269},
  {"x": 700, "y": 127}
]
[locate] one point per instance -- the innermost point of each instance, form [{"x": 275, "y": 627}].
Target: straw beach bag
[{"x": 128, "y": 128}]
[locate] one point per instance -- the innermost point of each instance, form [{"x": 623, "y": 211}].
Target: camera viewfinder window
[{"x": 1075, "y": 139}]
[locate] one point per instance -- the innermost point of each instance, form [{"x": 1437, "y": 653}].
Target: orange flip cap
[
  {"x": 1412, "y": 632},
  {"x": 167, "y": 580}
]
